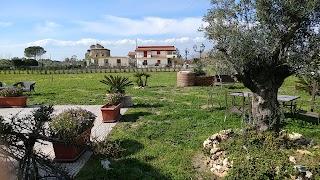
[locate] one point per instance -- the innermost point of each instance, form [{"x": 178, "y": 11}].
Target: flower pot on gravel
[
  {"x": 13, "y": 101},
  {"x": 72, "y": 129},
  {"x": 12, "y": 97},
  {"x": 111, "y": 113},
  {"x": 65, "y": 152},
  {"x": 111, "y": 110}
]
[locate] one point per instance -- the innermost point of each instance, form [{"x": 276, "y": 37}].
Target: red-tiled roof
[
  {"x": 131, "y": 53},
  {"x": 155, "y": 48}
]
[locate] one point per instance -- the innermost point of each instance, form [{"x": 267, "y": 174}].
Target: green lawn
[{"x": 160, "y": 134}]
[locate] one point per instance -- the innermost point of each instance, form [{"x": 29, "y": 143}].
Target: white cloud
[
  {"x": 47, "y": 27},
  {"x": 88, "y": 42},
  {"x": 5, "y": 24},
  {"x": 59, "y": 49},
  {"x": 148, "y": 26}
]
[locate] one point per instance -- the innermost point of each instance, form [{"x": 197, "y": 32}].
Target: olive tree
[{"x": 266, "y": 41}]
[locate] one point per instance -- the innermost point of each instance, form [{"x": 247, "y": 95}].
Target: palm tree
[{"x": 117, "y": 83}]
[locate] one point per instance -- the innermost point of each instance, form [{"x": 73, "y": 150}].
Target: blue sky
[{"x": 68, "y": 27}]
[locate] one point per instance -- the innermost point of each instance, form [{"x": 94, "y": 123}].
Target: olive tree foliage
[
  {"x": 266, "y": 41},
  {"x": 34, "y": 52}
]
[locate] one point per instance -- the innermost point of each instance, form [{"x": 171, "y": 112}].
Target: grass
[{"x": 160, "y": 134}]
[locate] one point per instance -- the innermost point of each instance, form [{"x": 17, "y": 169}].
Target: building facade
[
  {"x": 97, "y": 55},
  {"x": 161, "y": 56}
]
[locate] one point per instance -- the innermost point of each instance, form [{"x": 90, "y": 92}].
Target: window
[
  {"x": 119, "y": 61},
  {"x": 106, "y": 61},
  {"x": 145, "y": 53},
  {"x": 158, "y": 52},
  {"x": 145, "y": 62},
  {"x": 158, "y": 61}
]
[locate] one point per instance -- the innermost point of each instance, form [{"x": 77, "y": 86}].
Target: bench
[
  {"x": 305, "y": 109},
  {"x": 224, "y": 79}
]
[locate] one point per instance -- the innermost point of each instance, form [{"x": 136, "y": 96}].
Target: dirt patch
[{"x": 203, "y": 171}]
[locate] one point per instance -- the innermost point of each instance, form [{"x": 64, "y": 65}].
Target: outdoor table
[{"x": 287, "y": 100}]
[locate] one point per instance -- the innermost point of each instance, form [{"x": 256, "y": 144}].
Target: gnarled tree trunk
[
  {"x": 264, "y": 86},
  {"x": 265, "y": 109}
]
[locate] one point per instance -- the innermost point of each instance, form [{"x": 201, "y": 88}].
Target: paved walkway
[{"x": 99, "y": 131}]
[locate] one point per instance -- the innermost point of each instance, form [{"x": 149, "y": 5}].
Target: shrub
[
  {"x": 114, "y": 98},
  {"x": 11, "y": 92}
]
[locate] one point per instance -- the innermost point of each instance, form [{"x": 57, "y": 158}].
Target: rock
[
  {"x": 216, "y": 167},
  {"x": 223, "y": 169},
  {"x": 293, "y": 177},
  {"x": 277, "y": 170},
  {"x": 225, "y": 162},
  {"x": 292, "y": 159},
  {"x": 283, "y": 133},
  {"x": 313, "y": 142},
  {"x": 207, "y": 143},
  {"x": 294, "y": 136},
  {"x": 214, "y": 137},
  {"x": 105, "y": 164},
  {"x": 214, "y": 157},
  {"x": 214, "y": 150},
  {"x": 309, "y": 175},
  {"x": 304, "y": 152},
  {"x": 226, "y": 132},
  {"x": 221, "y": 153}
]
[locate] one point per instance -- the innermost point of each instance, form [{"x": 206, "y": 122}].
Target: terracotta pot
[
  {"x": 111, "y": 113},
  {"x": 185, "y": 78},
  {"x": 204, "y": 80},
  {"x": 13, "y": 101},
  {"x": 70, "y": 153}
]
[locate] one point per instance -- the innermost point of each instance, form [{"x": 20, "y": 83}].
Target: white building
[{"x": 161, "y": 56}]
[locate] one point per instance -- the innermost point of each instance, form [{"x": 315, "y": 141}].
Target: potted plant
[
  {"x": 72, "y": 128},
  {"x": 111, "y": 110},
  {"x": 12, "y": 97},
  {"x": 117, "y": 84},
  {"x": 201, "y": 78}
]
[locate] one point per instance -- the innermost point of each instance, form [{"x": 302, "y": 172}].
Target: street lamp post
[
  {"x": 186, "y": 51},
  {"x": 201, "y": 49}
]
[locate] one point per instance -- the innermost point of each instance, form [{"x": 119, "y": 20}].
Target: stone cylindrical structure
[{"x": 185, "y": 78}]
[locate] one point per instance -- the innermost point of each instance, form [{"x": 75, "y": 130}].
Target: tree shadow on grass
[
  {"x": 149, "y": 105},
  {"x": 130, "y": 147},
  {"x": 42, "y": 94},
  {"x": 133, "y": 117},
  {"x": 124, "y": 167},
  {"x": 300, "y": 120},
  {"x": 131, "y": 168}
]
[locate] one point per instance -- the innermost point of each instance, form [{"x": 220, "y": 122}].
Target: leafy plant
[
  {"x": 304, "y": 84},
  {"x": 71, "y": 123},
  {"x": 114, "y": 98},
  {"x": 139, "y": 79},
  {"x": 198, "y": 69},
  {"x": 111, "y": 149},
  {"x": 117, "y": 83},
  {"x": 11, "y": 92}
]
